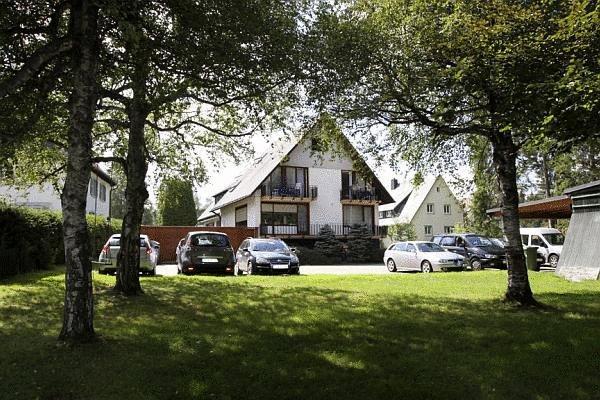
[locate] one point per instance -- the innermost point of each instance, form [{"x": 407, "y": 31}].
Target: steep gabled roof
[
  {"x": 409, "y": 199},
  {"x": 254, "y": 176}
]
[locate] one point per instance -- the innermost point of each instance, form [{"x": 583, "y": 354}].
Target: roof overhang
[{"x": 557, "y": 207}]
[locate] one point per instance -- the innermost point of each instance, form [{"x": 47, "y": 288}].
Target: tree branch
[
  {"x": 34, "y": 64},
  {"x": 122, "y": 161}
]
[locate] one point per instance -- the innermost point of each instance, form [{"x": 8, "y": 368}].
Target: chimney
[{"x": 394, "y": 184}]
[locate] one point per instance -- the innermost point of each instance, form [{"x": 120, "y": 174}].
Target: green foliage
[
  {"x": 176, "y": 205},
  {"x": 308, "y": 256},
  {"x": 360, "y": 243},
  {"x": 32, "y": 239},
  {"x": 327, "y": 244},
  {"x": 402, "y": 231}
]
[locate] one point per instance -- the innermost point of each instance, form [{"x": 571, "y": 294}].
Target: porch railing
[
  {"x": 289, "y": 191},
  {"x": 358, "y": 194},
  {"x": 313, "y": 230}
]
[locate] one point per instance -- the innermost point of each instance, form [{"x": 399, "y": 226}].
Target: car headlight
[
  {"x": 260, "y": 260},
  {"x": 489, "y": 255},
  {"x": 295, "y": 259}
]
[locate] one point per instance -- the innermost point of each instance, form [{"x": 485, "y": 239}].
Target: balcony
[
  {"x": 289, "y": 193},
  {"x": 358, "y": 196},
  {"x": 312, "y": 230}
]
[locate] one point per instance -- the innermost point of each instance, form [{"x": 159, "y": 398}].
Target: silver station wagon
[
  {"x": 149, "y": 252},
  {"x": 421, "y": 256}
]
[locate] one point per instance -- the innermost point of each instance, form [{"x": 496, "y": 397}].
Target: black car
[
  {"x": 266, "y": 256},
  {"x": 205, "y": 252},
  {"x": 478, "y": 250}
]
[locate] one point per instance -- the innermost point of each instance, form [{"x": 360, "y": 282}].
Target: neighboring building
[
  {"x": 293, "y": 191},
  {"x": 46, "y": 197},
  {"x": 431, "y": 208}
]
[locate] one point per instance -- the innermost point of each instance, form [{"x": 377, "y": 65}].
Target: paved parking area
[{"x": 366, "y": 269}]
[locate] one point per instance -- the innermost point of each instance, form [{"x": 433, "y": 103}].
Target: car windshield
[
  {"x": 272, "y": 245},
  {"x": 209, "y": 240},
  {"x": 478, "y": 241},
  {"x": 555, "y": 239},
  {"x": 429, "y": 247}
]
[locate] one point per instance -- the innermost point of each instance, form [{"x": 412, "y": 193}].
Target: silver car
[
  {"x": 149, "y": 251},
  {"x": 421, "y": 256}
]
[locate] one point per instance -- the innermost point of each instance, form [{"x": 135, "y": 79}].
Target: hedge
[{"x": 32, "y": 239}]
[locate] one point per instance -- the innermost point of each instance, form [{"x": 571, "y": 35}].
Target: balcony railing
[
  {"x": 313, "y": 230},
  {"x": 358, "y": 194},
  {"x": 289, "y": 191}
]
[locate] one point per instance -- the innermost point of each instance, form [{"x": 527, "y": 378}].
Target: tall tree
[
  {"x": 176, "y": 206},
  {"x": 42, "y": 42},
  {"x": 439, "y": 71}
]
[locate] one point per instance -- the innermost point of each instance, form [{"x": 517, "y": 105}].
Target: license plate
[
  {"x": 210, "y": 260},
  {"x": 280, "y": 266}
]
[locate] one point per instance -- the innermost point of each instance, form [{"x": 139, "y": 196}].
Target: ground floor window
[
  {"x": 448, "y": 229},
  {"x": 428, "y": 230},
  {"x": 241, "y": 216},
  {"x": 358, "y": 215},
  {"x": 282, "y": 218}
]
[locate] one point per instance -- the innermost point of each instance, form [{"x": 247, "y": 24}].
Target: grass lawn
[{"x": 396, "y": 336}]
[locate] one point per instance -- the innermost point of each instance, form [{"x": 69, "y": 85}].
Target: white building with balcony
[{"x": 294, "y": 190}]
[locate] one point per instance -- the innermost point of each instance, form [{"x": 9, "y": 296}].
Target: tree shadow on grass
[{"x": 226, "y": 338}]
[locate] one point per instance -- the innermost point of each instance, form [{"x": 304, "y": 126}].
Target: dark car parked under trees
[
  {"x": 266, "y": 256},
  {"x": 478, "y": 250},
  {"x": 205, "y": 252}
]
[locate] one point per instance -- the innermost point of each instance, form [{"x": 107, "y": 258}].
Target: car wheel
[
  {"x": 476, "y": 264},
  {"x": 153, "y": 272},
  {"x": 250, "y": 269},
  {"x": 553, "y": 260},
  {"x": 426, "y": 267},
  {"x": 391, "y": 265}
]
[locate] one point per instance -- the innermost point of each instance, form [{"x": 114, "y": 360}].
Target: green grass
[{"x": 396, "y": 336}]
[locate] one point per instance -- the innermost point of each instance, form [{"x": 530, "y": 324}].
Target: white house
[
  {"x": 293, "y": 191},
  {"x": 44, "y": 196},
  {"x": 431, "y": 208}
]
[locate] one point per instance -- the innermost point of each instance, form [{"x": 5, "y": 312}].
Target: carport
[{"x": 580, "y": 258}]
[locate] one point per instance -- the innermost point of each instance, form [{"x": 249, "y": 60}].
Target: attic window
[{"x": 437, "y": 188}]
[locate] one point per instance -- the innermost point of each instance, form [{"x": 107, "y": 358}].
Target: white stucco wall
[
  {"x": 253, "y": 204},
  {"x": 326, "y": 208},
  {"x": 438, "y": 219},
  {"x": 45, "y": 197},
  {"x": 301, "y": 157}
]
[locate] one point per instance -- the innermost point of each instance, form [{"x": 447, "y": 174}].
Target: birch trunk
[{"x": 78, "y": 319}]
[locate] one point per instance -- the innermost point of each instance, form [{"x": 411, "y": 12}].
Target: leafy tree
[
  {"x": 438, "y": 73},
  {"x": 327, "y": 244},
  {"x": 402, "y": 231},
  {"x": 176, "y": 205},
  {"x": 360, "y": 243}
]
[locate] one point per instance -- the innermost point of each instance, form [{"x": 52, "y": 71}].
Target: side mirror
[
  {"x": 245, "y": 250},
  {"x": 293, "y": 249}
]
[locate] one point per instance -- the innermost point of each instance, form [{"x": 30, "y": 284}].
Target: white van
[{"x": 549, "y": 242}]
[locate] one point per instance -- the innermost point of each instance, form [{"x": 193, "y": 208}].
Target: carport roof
[{"x": 553, "y": 207}]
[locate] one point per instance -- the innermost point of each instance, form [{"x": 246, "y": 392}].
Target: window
[
  {"x": 209, "y": 240},
  {"x": 437, "y": 189},
  {"x": 94, "y": 186},
  {"x": 448, "y": 241},
  {"x": 525, "y": 239},
  {"x": 429, "y": 208},
  {"x": 448, "y": 229},
  {"x": 428, "y": 230},
  {"x": 358, "y": 215},
  {"x": 446, "y": 208},
  {"x": 400, "y": 247},
  {"x": 280, "y": 214},
  {"x": 241, "y": 216},
  {"x": 381, "y": 215},
  {"x": 537, "y": 241},
  {"x": 102, "y": 192},
  {"x": 411, "y": 248},
  {"x": 286, "y": 181}
]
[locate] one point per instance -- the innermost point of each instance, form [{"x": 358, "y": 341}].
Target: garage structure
[{"x": 580, "y": 258}]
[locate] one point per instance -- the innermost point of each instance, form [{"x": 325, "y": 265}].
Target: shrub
[
  {"x": 33, "y": 239},
  {"x": 309, "y": 256},
  {"x": 402, "y": 231},
  {"x": 360, "y": 244},
  {"x": 327, "y": 244}
]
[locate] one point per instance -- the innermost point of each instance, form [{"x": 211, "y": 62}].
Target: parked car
[
  {"x": 479, "y": 251},
  {"x": 421, "y": 256},
  {"x": 266, "y": 256},
  {"x": 549, "y": 242},
  {"x": 107, "y": 261},
  {"x": 500, "y": 242},
  {"x": 205, "y": 252}
]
